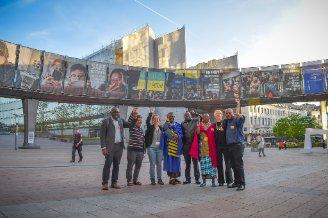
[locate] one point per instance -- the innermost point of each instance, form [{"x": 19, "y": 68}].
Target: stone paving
[{"x": 41, "y": 183}]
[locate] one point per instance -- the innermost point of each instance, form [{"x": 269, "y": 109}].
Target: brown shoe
[
  {"x": 130, "y": 184},
  {"x": 137, "y": 183},
  {"x": 115, "y": 186},
  {"x": 104, "y": 187}
]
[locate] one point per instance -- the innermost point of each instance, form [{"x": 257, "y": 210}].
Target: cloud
[
  {"x": 39, "y": 33},
  {"x": 299, "y": 35}
]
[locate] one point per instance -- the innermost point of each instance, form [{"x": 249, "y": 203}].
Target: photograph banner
[
  {"x": 117, "y": 82},
  {"x": 76, "y": 77},
  {"x": 193, "y": 89},
  {"x": 292, "y": 79},
  {"x": 271, "y": 83},
  {"x": 137, "y": 84},
  {"x": 230, "y": 85},
  {"x": 326, "y": 73},
  {"x": 96, "y": 83},
  {"x": 29, "y": 68},
  {"x": 251, "y": 83},
  {"x": 212, "y": 83},
  {"x": 156, "y": 84},
  {"x": 313, "y": 79},
  {"x": 174, "y": 85},
  {"x": 7, "y": 65},
  {"x": 53, "y": 73}
]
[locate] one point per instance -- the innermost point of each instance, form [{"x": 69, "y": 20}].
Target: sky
[{"x": 263, "y": 32}]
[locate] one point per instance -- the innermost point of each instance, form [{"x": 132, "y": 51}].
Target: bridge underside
[{"x": 207, "y": 105}]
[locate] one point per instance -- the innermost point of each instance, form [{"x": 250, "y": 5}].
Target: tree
[
  {"x": 62, "y": 113},
  {"x": 41, "y": 117},
  {"x": 293, "y": 127}
]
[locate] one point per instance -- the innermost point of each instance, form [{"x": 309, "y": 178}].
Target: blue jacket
[{"x": 234, "y": 130}]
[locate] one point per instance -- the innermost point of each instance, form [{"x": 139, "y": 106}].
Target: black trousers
[
  {"x": 79, "y": 151},
  {"x": 222, "y": 154},
  {"x": 114, "y": 157},
  {"x": 188, "y": 160},
  {"x": 234, "y": 152}
]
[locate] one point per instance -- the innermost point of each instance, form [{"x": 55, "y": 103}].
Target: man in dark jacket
[
  {"x": 233, "y": 125},
  {"x": 221, "y": 147},
  {"x": 188, "y": 128},
  {"x": 112, "y": 145},
  {"x": 77, "y": 145}
]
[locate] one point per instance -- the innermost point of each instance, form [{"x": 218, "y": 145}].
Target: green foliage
[
  {"x": 293, "y": 127},
  {"x": 41, "y": 117}
]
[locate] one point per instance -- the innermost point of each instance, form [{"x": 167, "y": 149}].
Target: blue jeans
[{"x": 155, "y": 159}]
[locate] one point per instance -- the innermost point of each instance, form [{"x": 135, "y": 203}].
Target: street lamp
[{"x": 16, "y": 132}]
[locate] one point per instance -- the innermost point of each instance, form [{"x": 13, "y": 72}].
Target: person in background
[
  {"x": 171, "y": 144},
  {"x": 77, "y": 145},
  {"x": 189, "y": 126},
  {"x": 221, "y": 146},
  {"x": 260, "y": 144},
  {"x": 152, "y": 142},
  {"x": 233, "y": 124},
  {"x": 204, "y": 149},
  {"x": 136, "y": 149}
]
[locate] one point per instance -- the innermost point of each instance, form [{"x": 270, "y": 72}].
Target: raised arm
[
  {"x": 148, "y": 119},
  {"x": 132, "y": 119}
]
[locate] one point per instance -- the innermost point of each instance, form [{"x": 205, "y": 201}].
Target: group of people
[{"x": 199, "y": 140}]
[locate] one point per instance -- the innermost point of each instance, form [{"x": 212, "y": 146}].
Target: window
[{"x": 251, "y": 120}]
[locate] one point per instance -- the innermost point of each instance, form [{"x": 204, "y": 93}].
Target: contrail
[{"x": 155, "y": 12}]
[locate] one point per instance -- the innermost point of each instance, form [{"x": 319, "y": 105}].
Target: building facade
[
  {"x": 141, "y": 48},
  {"x": 260, "y": 119}
]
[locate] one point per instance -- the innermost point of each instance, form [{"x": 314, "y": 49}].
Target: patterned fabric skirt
[{"x": 206, "y": 167}]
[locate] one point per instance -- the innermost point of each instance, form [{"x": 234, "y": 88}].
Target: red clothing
[{"x": 194, "y": 150}]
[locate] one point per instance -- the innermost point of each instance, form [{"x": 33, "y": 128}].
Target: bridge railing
[{"x": 29, "y": 70}]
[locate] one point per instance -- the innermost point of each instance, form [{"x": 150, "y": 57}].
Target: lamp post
[{"x": 16, "y": 132}]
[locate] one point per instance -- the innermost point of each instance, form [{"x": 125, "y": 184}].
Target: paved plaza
[{"x": 42, "y": 183}]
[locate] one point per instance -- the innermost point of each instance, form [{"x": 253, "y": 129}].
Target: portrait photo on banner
[
  {"x": 53, "y": 73},
  {"x": 96, "y": 84},
  {"x": 174, "y": 85},
  {"x": 29, "y": 68},
  {"x": 137, "y": 83},
  {"x": 271, "y": 81},
  {"x": 7, "y": 65},
  {"x": 230, "y": 85},
  {"x": 326, "y": 73},
  {"x": 292, "y": 79},
  {"x": 313, "y": 78},
  {"x": 117, "y": 86},
  {"x": 76, "y": 77},
  {"x": 156, "y": 84},
  {"x": 212, "y": 83},
  {"x": 251, "y": 80},
  {"x": 193, "y": 89}
]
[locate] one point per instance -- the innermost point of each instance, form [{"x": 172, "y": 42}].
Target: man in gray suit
[{"x": 112, "y": 144}]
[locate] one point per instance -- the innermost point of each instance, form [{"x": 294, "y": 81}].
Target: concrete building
[
  {"x": 261, "y": 118},
  {"x": 223, "y": 63},
  {"x": 141, "y": 48}
]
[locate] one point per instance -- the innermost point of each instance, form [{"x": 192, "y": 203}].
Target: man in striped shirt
[{"x": 136, "y": 150}]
